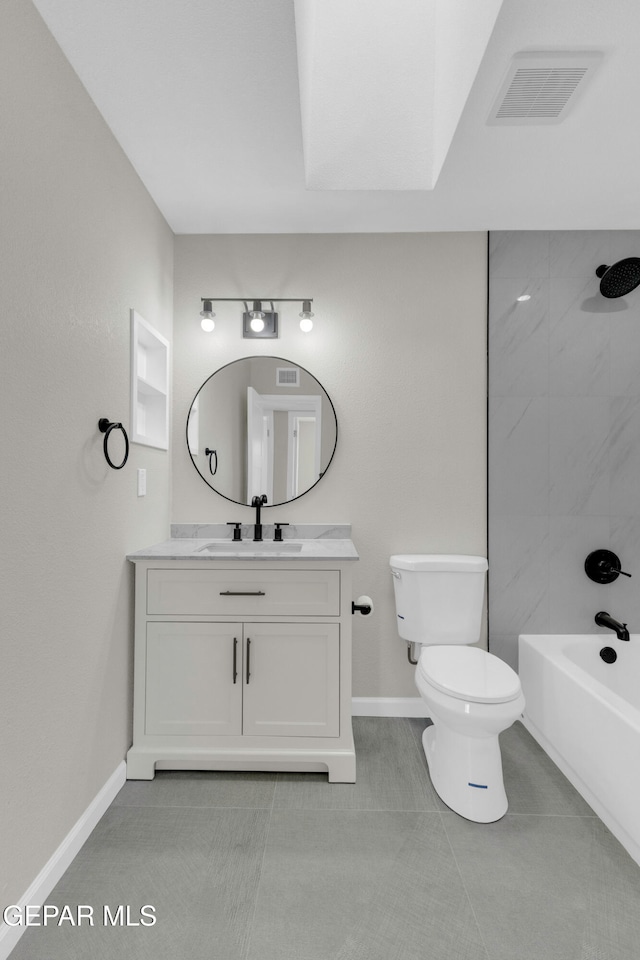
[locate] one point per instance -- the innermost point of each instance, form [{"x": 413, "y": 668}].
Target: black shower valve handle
[
  {"x": 607, "y": 566},
  {"x": 603, "y": 566}
]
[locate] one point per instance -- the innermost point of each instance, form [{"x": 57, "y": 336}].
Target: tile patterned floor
[{"x": 290, "y": 867}]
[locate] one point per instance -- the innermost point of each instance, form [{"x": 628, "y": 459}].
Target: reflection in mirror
[{"x": 261, "y": 425}]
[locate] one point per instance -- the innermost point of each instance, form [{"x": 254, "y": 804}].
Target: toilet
[{"x": 471, "y": 695}]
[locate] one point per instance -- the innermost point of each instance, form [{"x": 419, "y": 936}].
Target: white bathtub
[{"x": 585, "y": 714}]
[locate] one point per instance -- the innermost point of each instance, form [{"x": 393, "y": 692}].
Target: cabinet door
[
  {"x": 292, "y": 680},
  {"x": 190, "y": 688}
]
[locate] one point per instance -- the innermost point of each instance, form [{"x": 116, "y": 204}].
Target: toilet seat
[{"x": 468, "y": 673}]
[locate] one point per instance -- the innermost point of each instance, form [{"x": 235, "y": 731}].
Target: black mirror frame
[{"x": 260, "y": 357}]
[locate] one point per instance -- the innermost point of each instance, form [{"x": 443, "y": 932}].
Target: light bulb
[
  {"x": 207, "y": 315},
  {"x": 306, "y": 323},
  {"x": 257, "y": 324}
]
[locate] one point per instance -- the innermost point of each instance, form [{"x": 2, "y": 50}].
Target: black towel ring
[
  {"x": 212, "y": 453},
  {"x": 106, "y": 426}
]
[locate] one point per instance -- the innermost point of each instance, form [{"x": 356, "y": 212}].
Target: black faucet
[
  {"x": 257, "y": 502},
  {"x": 604, "y": 619}
]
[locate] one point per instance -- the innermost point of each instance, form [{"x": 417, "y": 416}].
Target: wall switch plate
[{"x": 142, "y": 483}]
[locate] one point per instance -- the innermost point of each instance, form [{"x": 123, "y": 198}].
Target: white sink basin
[{"x": 251, "y": 547}]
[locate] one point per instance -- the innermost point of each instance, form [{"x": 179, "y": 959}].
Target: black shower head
[{"x": 619, "y": 279}]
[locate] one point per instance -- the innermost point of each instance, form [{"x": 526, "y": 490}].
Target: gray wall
[
  {"x": 80, "y": 243},
  {"x": 564, "y": 434},
  {"x": 399, "y": 344}
]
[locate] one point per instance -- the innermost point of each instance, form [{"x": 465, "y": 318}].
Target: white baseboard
[
  {"x": 388, "y": 707},
  {"x": 63, "y": 856}
]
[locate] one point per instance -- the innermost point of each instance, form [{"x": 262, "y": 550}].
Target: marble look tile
[
  {"x": 578, "y": 358},
  {"x": 623, "y": 596},
  {"x": 623, "y": 244},
  {"x": 625, "y": 541},
  {"x": 560, "y": 887},
  {"x": 199, "y": 868},
  {"x": 519, "y": 456},
  {"x": 571, "y": 294},
  {"x": 574, "y": 599},
  {"x": 390, "y": 775},
  {"x": 222, "y": 531},
  {"x": 577, "y": 253},
  {"x": 625, "y": 351},
  {"x": 518, "y": 338},
  {"x": 518, "y": 575},
  {"x": 547, "y": 882},
  {"x": 198, "y": 788},
  {"x": 578, "y": 455},
  {"x": 418, "y": 725},
  {"x": 625, "y": 456},
  {"x": 184, "y": 548},
  {"x": 519, "y": 253},
  {"x": 533, "y": 782},
  {"x": 504, "y": 645},
  {"x": 350, "y": 885}
]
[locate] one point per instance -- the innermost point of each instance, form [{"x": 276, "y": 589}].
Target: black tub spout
[{"x": 604, "y": 619}]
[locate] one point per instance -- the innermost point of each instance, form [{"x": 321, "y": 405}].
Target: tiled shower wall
[{"x": 564, "y": 434}]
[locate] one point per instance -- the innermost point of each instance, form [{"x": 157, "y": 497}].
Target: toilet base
[{"x": 466, "y": 772}]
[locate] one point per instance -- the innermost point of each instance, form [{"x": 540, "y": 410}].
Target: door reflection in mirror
[{"x": 270, "y": 439}]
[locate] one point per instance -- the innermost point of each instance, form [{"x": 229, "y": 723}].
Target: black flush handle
[{"x": 603, "y": 566}]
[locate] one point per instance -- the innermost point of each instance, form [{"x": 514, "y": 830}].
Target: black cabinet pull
[
  {"x": 235, "y": 659},
  {"x": 248, "y": 658},
  {"x": 242, "y": 593}
]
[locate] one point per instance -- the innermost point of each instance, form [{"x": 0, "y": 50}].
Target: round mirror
[{"x": 261, "y": 425}]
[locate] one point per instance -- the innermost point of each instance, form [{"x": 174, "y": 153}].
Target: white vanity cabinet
[{"x": 242, "y": 665}]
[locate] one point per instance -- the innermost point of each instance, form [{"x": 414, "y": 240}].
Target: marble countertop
[{"x": 208, "y": 542}]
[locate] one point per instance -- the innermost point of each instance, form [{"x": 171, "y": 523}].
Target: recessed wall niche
[{"x": 149, "y": 384}]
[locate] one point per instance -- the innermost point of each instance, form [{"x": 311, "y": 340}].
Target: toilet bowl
[{"x": 471, "y": 696}]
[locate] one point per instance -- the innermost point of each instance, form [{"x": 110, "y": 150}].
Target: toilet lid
[{"x": 469, "y": 673}]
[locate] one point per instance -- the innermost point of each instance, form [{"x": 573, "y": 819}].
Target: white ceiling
[{"x": 203, "y": 96}]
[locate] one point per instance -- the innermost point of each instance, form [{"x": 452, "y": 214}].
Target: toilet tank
[{"x": 439, "y": 597}]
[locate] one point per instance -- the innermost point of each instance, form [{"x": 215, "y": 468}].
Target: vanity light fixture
[{"x": 257, "y": 323}]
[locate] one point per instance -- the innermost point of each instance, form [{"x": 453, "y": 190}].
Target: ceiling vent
[
  {"x": 541, "y": 87},
  {"x": 287, "y": 377}
]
